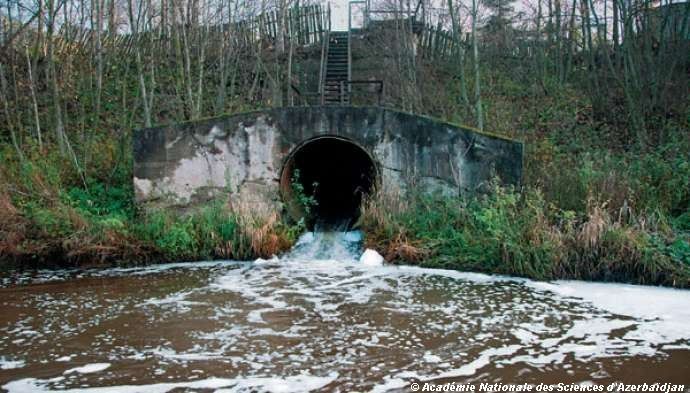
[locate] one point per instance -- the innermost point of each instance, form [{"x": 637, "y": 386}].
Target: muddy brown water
[{"x": 303, "y": 324}]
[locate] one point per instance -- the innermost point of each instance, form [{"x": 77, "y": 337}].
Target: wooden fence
[
  {"x": 306, "y": 26},
  {"x": 437, "y": 43}
]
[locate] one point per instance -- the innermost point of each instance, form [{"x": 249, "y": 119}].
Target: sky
[{"x": 339, "y": 14}]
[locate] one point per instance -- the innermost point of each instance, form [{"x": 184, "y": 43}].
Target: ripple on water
[{"x": 306, "y": 322}]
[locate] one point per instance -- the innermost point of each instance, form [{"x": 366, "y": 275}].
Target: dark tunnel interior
[{"x": 336, "y": 173}]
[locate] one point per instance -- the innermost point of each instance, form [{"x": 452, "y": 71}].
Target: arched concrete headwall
[{"x": 242, "y": 154}]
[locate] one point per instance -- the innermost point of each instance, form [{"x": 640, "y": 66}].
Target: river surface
[{"x": 318, "y": 319}]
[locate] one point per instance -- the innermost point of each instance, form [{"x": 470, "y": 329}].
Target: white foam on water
[
  {"x": 431, "y": 358},
  {"x": 171, "y": 354},
  {"x": 297, "y": 383},
  {"x": 371, "y": 258},
  {"x": 175, "y": 300},
  {"x": 89, "y": 368},
  {"x": 7, "y": 364},
  {"x": 482, "y": 360},
  {"x": 662, "y": 315},
  {"x": 50, "y": 276},
  {"x": 390, "y": 384}
]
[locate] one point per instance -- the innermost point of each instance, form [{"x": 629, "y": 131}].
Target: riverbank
[
  {"x": 592, "y": 216},
  {"x": 503, "y": 232},
  {"x": 522, "y": 234},
  {"x": 50, "y": 227}
]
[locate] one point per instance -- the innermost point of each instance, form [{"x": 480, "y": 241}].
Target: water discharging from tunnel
[{"x": 327, "y": 244}]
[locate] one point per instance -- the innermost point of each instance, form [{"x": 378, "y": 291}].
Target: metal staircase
[
  {"x": 335, "y": 90},
  {"x": 335, "y": 72}
]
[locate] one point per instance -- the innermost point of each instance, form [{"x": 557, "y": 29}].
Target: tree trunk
[
  {"x": 477, "y": 83},
  {"x": 134, "y": 25},
  {"x": 52, "y": 78},
  {"x": 461, "y": 53},
  {"x": 32, "y": 87}
]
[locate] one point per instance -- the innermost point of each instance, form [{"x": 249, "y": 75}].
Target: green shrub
[
  {"x": 178, "y": 242},
  {"x": 101, "y": 200},
  {"x": 521, "y": 234}
]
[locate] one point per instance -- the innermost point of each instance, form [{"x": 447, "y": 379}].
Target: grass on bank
[
  {"x": 594, "y": 216},
  {"x": 45, "y": 221},
  {"x": 511, "y": 233}
]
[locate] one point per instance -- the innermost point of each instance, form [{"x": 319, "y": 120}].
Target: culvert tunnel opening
[{"x": 325, "y": 180}]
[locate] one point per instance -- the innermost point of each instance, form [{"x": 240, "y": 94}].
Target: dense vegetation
[{"x": 605, "y": 121}]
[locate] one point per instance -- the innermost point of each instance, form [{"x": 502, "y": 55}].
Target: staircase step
[{"x": 335, "y": 88}]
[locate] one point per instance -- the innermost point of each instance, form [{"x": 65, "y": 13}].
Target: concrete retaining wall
[{"x": 190, "y": 163}]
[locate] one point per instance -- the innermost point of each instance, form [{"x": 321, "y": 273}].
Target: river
[{"x": 319, "y": 319}]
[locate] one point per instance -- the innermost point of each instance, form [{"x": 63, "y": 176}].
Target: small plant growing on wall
[{"x": 305, "y": 202}]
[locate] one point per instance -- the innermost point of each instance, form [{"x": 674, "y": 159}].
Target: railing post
[
  {"x": 366, "y": 13},
  {"x": 380, "y": 93},
  {"x": 322, "y": 70},
  {"x": 349, "y": 42}
]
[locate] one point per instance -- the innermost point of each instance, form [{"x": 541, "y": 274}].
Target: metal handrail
[
  {"x": 305, "y": 95},
  {"x": 367, "y": 82},
  {"x": 349, "y": 59},
  {"x": 322, "y": 69}
]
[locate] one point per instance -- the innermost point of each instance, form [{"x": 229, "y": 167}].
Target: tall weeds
[
  {"x": 45, "y": 222},
  {"x": 521, "y": 234}
]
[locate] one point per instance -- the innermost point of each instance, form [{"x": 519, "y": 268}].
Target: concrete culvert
[{"x": 336, "y": 172}]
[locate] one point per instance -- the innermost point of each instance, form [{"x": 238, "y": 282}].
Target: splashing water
[
  {"x": 326, "y": 245},
  {"x": 318, "y": 318}
]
